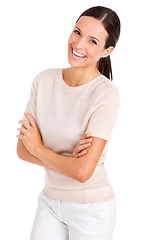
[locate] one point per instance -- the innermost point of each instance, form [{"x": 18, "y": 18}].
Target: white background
[{"x": 33, "y": 38}]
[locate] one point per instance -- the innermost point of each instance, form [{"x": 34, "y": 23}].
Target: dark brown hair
[{"x": 112, "y": 25}]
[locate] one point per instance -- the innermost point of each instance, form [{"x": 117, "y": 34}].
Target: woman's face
[{"x": 86, "y": 43}]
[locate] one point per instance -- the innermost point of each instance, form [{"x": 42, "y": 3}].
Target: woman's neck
[{"x": 74, "y": 77}]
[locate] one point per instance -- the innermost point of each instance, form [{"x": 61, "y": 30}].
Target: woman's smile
[{"x": 77, "y": 55}]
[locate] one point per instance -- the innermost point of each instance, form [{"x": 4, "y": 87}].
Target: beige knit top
[{"x": 64, "y": 114}]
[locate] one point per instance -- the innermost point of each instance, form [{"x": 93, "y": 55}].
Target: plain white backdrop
[{"x": 34, "y": 37}]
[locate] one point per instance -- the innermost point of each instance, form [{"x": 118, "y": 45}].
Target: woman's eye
[
  {"x": 93, "y": 41},
  {"x": 77, "y": 32}
]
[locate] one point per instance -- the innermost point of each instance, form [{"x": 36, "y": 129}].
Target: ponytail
[{"x": 105, "y": 68}]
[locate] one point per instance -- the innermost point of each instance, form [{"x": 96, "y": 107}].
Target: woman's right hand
[{"x": 84, "y": 142}]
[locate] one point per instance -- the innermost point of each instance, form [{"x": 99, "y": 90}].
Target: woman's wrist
[{"x": 37, "y": 151}]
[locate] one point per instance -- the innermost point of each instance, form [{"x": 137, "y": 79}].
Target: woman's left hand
[{"x": 30, "y": 134}]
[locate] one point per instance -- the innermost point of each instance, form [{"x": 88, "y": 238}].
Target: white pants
[{"x": 62, "y": 220}]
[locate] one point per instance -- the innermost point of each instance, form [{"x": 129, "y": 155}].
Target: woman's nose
[{"x": 80, "y": 44}]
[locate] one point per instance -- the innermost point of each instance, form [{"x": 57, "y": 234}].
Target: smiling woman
[
  {"x": 86, "y": 43},
  {"x": 64, "y": 106}
]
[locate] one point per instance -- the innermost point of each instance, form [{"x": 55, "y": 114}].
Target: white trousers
[{"x": 62, "y": 220}]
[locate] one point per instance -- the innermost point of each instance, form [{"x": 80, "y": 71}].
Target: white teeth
[{"x": 78, "y": 54}]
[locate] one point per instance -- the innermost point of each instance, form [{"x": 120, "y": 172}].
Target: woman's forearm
[
  {"x": 67, "y": 166},
  {"x": 31, "y": 138},
  {"x": 25, "y": 155}
]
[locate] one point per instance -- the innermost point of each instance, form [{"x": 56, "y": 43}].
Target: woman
[{"x": 65, "y": 105}]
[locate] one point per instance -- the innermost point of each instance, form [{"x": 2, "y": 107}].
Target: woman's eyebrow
[{"x": 89, "y": 36}]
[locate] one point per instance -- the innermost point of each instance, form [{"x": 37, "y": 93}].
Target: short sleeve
[
  {"x": 31, "y": 104},
  {"x": 103, "y": 118}
]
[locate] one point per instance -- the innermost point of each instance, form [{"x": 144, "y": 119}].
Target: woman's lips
[{"x": 77, "y": 55}]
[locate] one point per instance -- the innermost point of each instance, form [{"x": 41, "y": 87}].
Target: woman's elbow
[
  {"x": 19, "y": 149},
  {"x": 83, "y": 179},
  {"x": 84, "y": 176},
  {"x": 19, "y": 154}
]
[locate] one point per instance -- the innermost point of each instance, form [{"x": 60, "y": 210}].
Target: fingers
[
  {"x": 81, "y": 154},
  {"x": 20, "y": 136},
  {"x": 85, "y": 139},
  {"x": 84, "y": 143},
  {"x": 22, "y": 130},
  {"x": 78, "y": 153},
  {"x": 87, "y": 135},
  {"x": 30, "y": 118},
  {"x": 83, "y": 146},
  {"x": 25, "y": 123}
]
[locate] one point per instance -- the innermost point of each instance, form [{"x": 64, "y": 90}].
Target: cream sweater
[{"x": 64, "y": 114}]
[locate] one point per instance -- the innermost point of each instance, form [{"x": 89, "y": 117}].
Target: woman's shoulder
[
  {"x": 47, "y": 75},
  {"x": 106, "y": 87},
  {"x": 107, "y": 93},
  {"x": 49, "y": 72}
]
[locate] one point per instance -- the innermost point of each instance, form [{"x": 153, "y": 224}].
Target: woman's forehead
[{"x": 91, "y": 27}]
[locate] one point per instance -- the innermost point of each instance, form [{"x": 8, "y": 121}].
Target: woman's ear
[{"x": 107, "y": 51}]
